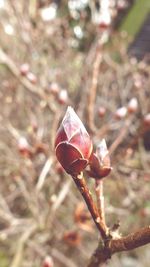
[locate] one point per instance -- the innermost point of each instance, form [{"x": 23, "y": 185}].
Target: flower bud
[
  {"x": 73, "y": 145},
  {"x": 121, "y": 113},
  {"x": 24, "y": 147},
  {"x": 133, "y": 105},
  {"x": 63, "y": 97},
  {"x": 54, "y": 88},
  {"x": 48, "y": 262},
  {"x": 31, "y": 77},
  {"x": 101, "y": 112},
  {"x": 24, "y": 69},
  {"x": 100, "y": 162},
  {"x": 147, "y": 119}
]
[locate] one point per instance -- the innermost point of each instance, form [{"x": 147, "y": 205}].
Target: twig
[
  {"x": 6, "y": 60},
  {"x": 93, "y": 88},
  {"x": 129, "y": 242},
  {"x": 100, "y": 199},
  {"x": 18, "y": 257},
  {"x": 62, "y": 258},
  {"x": 123, "y": 132},
  {"x": 60, "y": 198},
  {"x": 82, "y": 187},
  {"x": 43, "y": 174}
]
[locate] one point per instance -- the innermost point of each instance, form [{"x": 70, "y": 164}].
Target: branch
[
  {"x": 93, "y": 88},
  {"x": 81, "y": 184},
  {"x": 100, "y": 199},
  {"x": 129, "y": 242}
]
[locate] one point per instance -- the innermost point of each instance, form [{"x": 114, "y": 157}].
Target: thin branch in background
[
  {"x": 100, "y": 200},
  {"x": 121, "y": 136},
  {"x": 19, "y": 255},
  {"x": 43, "y": 174},
  {"x": 59, "y": 199},
  {"x": 93, "y": 88},
  {"x": 6, "y": 60}
]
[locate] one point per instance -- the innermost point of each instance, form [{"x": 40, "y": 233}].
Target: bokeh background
[{"x": 94, "y": 56}]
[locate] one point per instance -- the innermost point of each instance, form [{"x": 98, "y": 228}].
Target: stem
[
  {"x": 129, "y": 242},
  {"x": 100, "y": 200},
  {"x": 81, "y": 184}
]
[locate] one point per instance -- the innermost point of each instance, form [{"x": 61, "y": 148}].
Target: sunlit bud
[
  {"x": 132, "y": 105},
  {"x": 121, "y": 113},
  {"x": 137, "y": 80},
  {"x": 121, "y": 5},
  {"x": 100, "y": 162},
  {"x": 48, "y": 262},
  {"x": 63, "y": 97},
  {"x": 147, "y": 119},
  {"x": 31, "y": 77},
  {"x": 24, "y": 147},
  {"x": 101, "y": 112},
  {"x": 104, "y": 20},
  {"x": 24, "y": 69},
  {"x": 54, "y": 88},
  {"x": 73, "y": 144}
]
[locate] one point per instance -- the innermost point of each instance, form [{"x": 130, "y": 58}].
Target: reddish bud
[
  {"x": 48, "y": 262},
  {"x": 100, "y": 162},
  {"x": 24, "y": 148},
  {"x": 31, "y": 77},
  {"x": 105, "y": 20},
  {"x": 121, "y": 5},
  {"x": 24, "y": 69},
  {"x": 147, "y": 119},
  {"x": 54, "y": 88},
  {"x": 132, "y": 105},
  {"x": 73, "y": 145},
  {"x": 101, "y": 112},
  {"x": 63, "y": 97},
  {"x": 121, "y": 113}
]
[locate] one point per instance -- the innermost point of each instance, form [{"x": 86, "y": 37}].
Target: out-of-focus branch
[
  {"x": 129, "y": 242},
  {"x": 100, "y": 199},
  {"x": 121, "y": 136},
  {"x": 43, "y": 174},
  {"x": 8, "y": 62},
  {"x": 18, "y": 257},
  {"x": 93, "y": 88}
]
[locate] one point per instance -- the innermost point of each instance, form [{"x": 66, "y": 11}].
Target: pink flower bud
[
  {"x": 121, "y": 5},
  {"x": 73, "y": 145},
  {"x": 121, "y": 113},
  {"x": 101, "y": 112},
  {"x": 24, "y": 147},
  {"x": 54, "y": 88},
  {"x": 63, "y": 97},
  {"x": 100, "y": 162},
  {"x": 132, "y": 105},
  {"x": 31, "y": 77},
  {"x": 24, "y": 69},
  {"x": 48, "y": 262}
]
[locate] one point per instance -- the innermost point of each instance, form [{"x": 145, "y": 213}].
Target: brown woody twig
[{"x": 112, "y": 246}]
